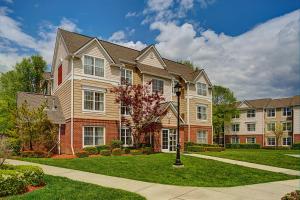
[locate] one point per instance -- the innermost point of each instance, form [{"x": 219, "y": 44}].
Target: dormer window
[
  {"x": 93, "y": 66},
  {"x": 201, "y": 89}
]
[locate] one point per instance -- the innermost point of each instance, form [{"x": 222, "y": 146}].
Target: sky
[{"x": 250, "y": 46}]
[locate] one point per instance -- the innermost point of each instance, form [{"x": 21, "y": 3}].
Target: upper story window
[
  {"x": 93, "y": 100},
  {"x": 271, "y": 126},
  {"x": 251, "y": 127},
  {"x": 236, "y": 116},
  {"x": 202, "y": 137},
  {"x": 202, "y": 112},
  {"x": 125, "y": 110},
  {"x": 93, "y": 66},
  {"x": 271, "y": 112},
  {"x": 126, "y": 76},
  {"x": 287, "y": 111},
  {"x": 158, "y": 86},
  {"x": 202, "y": 89},
  {"x": 250, "y": 113},
  {"x": 287, "y": 126},
  {"x": 235, "y": 127},
  {"x": 173, "y": 89}
]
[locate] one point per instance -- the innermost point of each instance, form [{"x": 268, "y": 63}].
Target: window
[
  {"x": 287, "y": 126},
  {"x": 271, "y": 112},
  {"x": 235, "y": 140},
  {"x": 126, "y": 136},
  {"x": 250, "y": 140},
  {"x": 173, "y": 89},
  {"x": 93, "y": 66},
  {"x": 201, "y": 89},
  {"x": 235, "y": 127},
  {"x": 236, "y": 116},
  {"x": 126, "y": 76},
  {"x": 286, "y": 141},
  {"x": 93, "y": 100},
  {"x": 125, "y": 110},
  {"x": 250, "y": 113},
  {"x": 251, "y": 127},
  {"x": 271, "y": 141},
  {"x": 93, "y": 136},
  {"x": 202, "y": 137},
  {"x": 287, "y": 111},
  {"x": 158, "y": 86},
  {"x": 59, "y": 75},
  {"x": 271, "y": 126},
  {"x": 201, "y": 112}
]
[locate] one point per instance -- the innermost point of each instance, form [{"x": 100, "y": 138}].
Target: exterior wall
[
  {"x": 195, "y": 129},
  {"x": 64, "y": 95},
  {"x": 194, "y": 102},
  {"x": 151, "y": 58},
  {"x": 296, "y": 120},
  {"x": 259, "y": 138},
  {"x": 167, "y": 85}
]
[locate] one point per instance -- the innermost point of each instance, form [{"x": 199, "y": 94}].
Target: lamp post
[{"x": 177, "y": 89}]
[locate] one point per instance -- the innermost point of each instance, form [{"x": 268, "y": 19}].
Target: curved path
[{"x": 264, "y": 191}]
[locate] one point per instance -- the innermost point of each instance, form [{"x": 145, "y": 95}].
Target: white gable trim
[
  {"x": 157, "y": 54},
  {"x": 90, "y": 42},
  {"x": 205, "y": 76},
  {"x": 174, "y": 111},
  {"x": 244, "y": 102}
]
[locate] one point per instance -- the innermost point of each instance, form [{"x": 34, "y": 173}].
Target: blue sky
[{"x": 234, "y": 41}]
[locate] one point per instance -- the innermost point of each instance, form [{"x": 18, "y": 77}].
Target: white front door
[{"x": 168, "y": 140}]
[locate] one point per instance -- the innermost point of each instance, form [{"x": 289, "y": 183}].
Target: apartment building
[
  {"x": 84, "y": 69},
  {"x": 257, "y": 120}
]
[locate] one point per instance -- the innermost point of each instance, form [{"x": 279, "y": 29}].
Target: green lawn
[
  {"x": 62, "y": 188},
  {"x": 158, "y": 168},
  {"x": 275, "y": 158}
]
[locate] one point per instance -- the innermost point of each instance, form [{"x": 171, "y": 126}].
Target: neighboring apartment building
[
  {"x": 258, "y": 118},
  {"x": 84, "y": 69}
]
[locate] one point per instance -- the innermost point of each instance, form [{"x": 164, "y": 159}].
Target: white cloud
[
  {"x": 263, "y": 62},
  {"x": 206, "y": 3},
  {"x": 13, "y": 37},
  {"x": 120, "y": 37},
  {"x": 131, "y": 14},
  {"x": 117, "y": 36},
  {"x": 8, "y": 1}
]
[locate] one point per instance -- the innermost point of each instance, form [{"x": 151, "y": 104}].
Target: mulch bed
[{"x": 31, "y": 188}]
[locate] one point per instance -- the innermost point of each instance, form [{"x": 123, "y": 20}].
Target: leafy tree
[
  {"x": 145, "y": 109},
  {"x": 4, "y": 149},
  {"x": 223, "y": 109},
  {"x": 278, "y": 132},
  {"x": 187, "y": 63}
]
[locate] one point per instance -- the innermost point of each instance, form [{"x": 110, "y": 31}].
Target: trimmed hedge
[
  {"x": 105, "y": 152},
  {"x": 296, "y": 146},
  {"x": 117, "y": 151},
  {"x": 126, "y": 150},
  {"x": 218, "y": 149},
  {"x": 34, "y": 175},
  {"x": 195, "y": 148},
  {"x": 91, "y": 150},
  {"x": 147, "y": 150},
  {"x": 136, "y": 152},
  {"x": 116, "y": 144},
  {"x": 102, "y": 147},
  {"x": 82, "y": 154},
  {"x": 12, "y": 182},
  {"x": 276, "y": 148},
  {"x": 243, "y": 146},
  {"x": 34, "y": 154}
]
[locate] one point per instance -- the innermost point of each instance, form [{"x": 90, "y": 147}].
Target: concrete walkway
[
  {"x": 247, "y": 164},
  {"x": 153, "y": 191}
]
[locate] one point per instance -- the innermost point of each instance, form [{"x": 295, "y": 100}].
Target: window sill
[{"x": 93, "y": 111}]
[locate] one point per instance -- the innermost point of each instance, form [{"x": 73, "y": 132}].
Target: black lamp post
[{"x": 177, "y": 89}]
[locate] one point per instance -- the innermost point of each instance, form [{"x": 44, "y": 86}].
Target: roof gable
[
  {"x": 150, "y": 56},
  {"x": 202, "y": 76},
  {"x": 244, "y": 104}
]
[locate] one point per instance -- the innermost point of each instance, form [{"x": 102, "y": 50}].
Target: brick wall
[
  {"x": 195, "y": 129},
  {"x": 259, "y": 139},
  {"x": 296, "y": 138}
]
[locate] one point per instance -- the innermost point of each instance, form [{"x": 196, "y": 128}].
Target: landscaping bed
[{"x": 158, "y": 168}]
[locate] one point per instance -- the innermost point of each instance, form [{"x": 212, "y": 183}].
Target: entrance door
[{"x": 169, "y": 140}]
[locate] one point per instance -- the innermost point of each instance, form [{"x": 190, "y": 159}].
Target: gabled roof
[
  {"x": 145, "y": 50},
  {"x": 54, "y": 111},
  {"x": 172, "y": 106},
  {"x": 75, "y": 41}
]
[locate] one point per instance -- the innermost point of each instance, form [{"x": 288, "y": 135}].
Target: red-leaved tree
[{"x": 145, "y": 108}]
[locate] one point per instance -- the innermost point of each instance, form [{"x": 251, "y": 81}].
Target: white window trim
[
  {"x": 125, "y": 145},
  {"x": 93, "y": 76},
  {"x": 287, "y": 122},
  {"x": 125, "y": 75},
  {"x": 238, "y": 139},
  {"x": 267, "y": 142},
  {"x": 94, "y": 90},
  {"x": 125, "y": 115},
  {"x": 201, "y": 120},
  {"x": 270, "y": 123},
  {"x": 160, "y": 80},
  {"x": 254, "y": 113},
  {"x": 254, "y": 126},
  {"x": 251, "y": 142},
  {"x": 286, "y": 144},
  {"x": 206, "y": 138},
  {"x": 104, "y": 136},
  {"x": 282, "y": 111},
  {"x": 271, "y": 116},
  {"x": 197, "y": 89},
  {"x": 235, "y": 124}
]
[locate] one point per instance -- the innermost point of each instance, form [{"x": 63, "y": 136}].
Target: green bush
[
  {"x": 34, "y": 154},
  {"x": 15, "y": 145},
  {"x": 188, "y": 144},
  {"x": 218, "y": 149},
  {"x": 195, "y": 149},
  {"x": 91, "y": 150},
  {"x": 33, "y": 175},
  {"x": 243, "y": 146},
  {"x": 296, "y": 146},
  {"x": 82, "y": 154},
  {"x": 127, "y": 150},
  {"x": 102, "y": 147},
  {"x": 11, "y": 182},
  {"x": 117, "y": 152},
  {"x": 295, "y": 195},
  {"x": 277, "y": 148},
  {"x": 136, "y": 152},
  {"x": 116, "y": 144},
  {"x": 105, "y": 152},
  {"x": 147, "y": 150}
]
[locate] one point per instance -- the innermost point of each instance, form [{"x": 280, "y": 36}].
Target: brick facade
[
  {"x": 259, "y": 138},
  {"x": 296, "y": 138}
]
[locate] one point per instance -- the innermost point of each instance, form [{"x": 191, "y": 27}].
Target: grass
[
  {"x": 277, "y": 158},
  {"x": 62, "y": 188},
  {"x": 158, "y": 168}
]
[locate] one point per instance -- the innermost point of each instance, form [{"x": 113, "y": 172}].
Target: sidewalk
[
  {"x": 154, "y": 191},
  {"x": 248, "y": 164}
]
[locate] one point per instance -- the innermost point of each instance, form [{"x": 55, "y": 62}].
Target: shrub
[
  {"x": 117, "y": 152},
  {"x": 82, "y": 154},
  {"x": 105, "y": 152},
  {"x": 116, "y": 144},
  {"x": 15, "y": 145},
  {"x": 4, "y": 150},
  {"x": 136, "y": 152},
  {"x": 195, "y": 149},
  {"x": 102, "y": 147},
  {"x": 126, "y": 150},
  {"x": 91, "y": 150},
  {"x": 188, "y": 144},
  {"x": 276, "y": 148},
  {"x": 11, "y": 182},
  {"x": 34, "y": 154},
  {"x": 218, "y": 149},
  {"x": 33, "y": 175},
  {"x": 147, "y": 150},
  {"x": 296, "y": 146},
  {"x": 292, "y": 196},
  {"x": 243, "y": 146}
]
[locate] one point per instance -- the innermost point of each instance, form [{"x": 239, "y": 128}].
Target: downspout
[
  {"x": 72, "y": 106},
  {"x": 188, "y": 111},
  {"x": 263, "y": 127},
  {"x": 120, "y": 117},
  {"x": 59, "y": 126},
  {"x": 211, "y": 122}
]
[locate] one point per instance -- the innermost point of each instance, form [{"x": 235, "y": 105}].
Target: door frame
[{"x": 161, "y": 143}]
